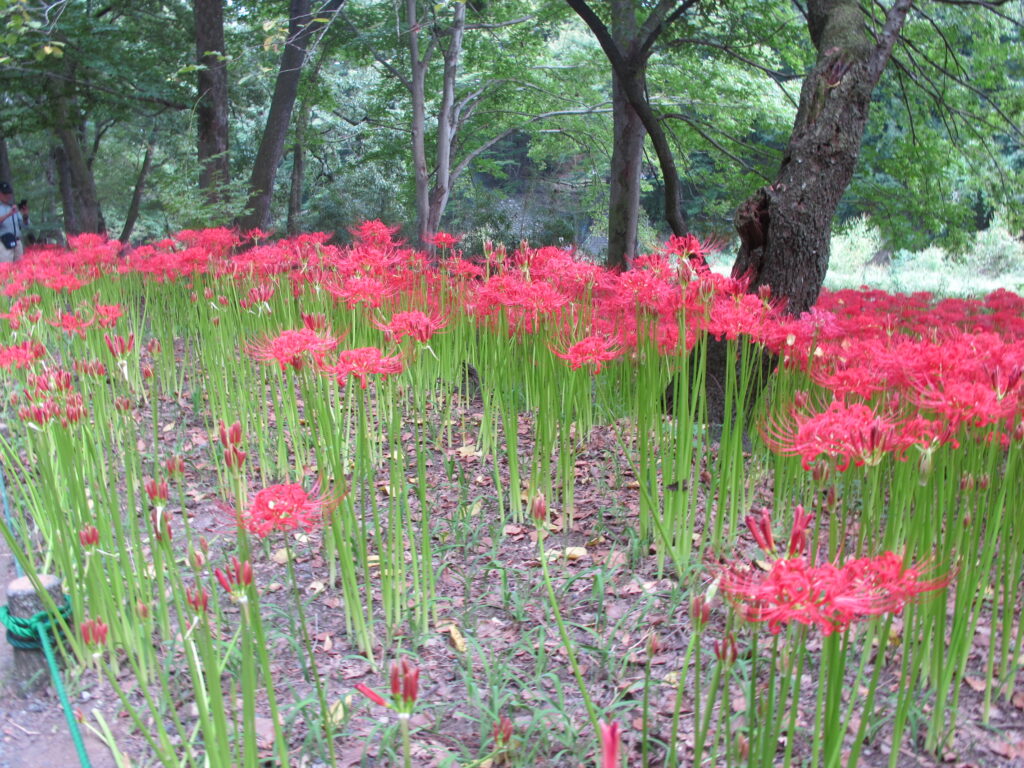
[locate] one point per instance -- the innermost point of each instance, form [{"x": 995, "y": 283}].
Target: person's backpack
[{"x": 9, "y": 240}]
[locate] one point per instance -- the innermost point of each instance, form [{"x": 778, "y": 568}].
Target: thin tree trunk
[
  {"x": 446, "y": 124},
  {"x": 5, "y": 159},
  {"x": 302, "y": 26},
  {"x": 212, "y": 111},
  {"x": 87, "y": 216},
  {"x": 417, "y": 91},
  {"x": 298, "y": 178},
  {"x": 140, "y": 184},
  {"x": 624, "y": 183},
  {"x": 785, "y": 228},
  {"x": 67, "y": 196}
]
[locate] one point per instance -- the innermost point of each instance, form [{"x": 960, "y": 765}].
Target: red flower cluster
[
  {"x": 827, "y": 596},
  {"x": 282, "y": 508}
]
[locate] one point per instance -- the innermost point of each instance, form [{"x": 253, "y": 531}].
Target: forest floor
[{"x": 493, "y": 648}]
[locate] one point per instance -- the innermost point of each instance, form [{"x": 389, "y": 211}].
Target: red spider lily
[
  {"x": 236, "y": 578},
  {"x": 21, "y": 355},
  {"x": 827, "y": 596},
  {"x": 157, "y": 491},
  {"x": 282, "y": 508},
  {"x": 71, "y": 323},
  {"x": 290, "y": 348},
  {"x": 257, "y": 295},
  {"x": 611, "y": 743},
  {"x": 175, "y": 466},
  {"x": 89, "y": 536},
  {"x": 119, "y": 346},
  {"x": 74, "y": 409},
  {"x": 107, "y": 315},
  {"x": 414, "y": 324},
  {"x": 844, "y": 432},
  {"x": 539, "y": 510},
  {"x": 122, "y": 404},
  {"x": 593, "y": 350},
  {"x": 234, "y": 457},
  {"x": 314, "y": 322},
  {"x": 725, "y": 649},
  {"x": 198, "y": 598},
  {"x": 375, "y": 232},
  {"x": 443, "y": 240},
  {"x": 700, "y": 611},
  {"x": 362, "y": 362},
  {"x": 761, "y": 529},
  {"x": 94, "y": 631},
  {"x": 405, "y": 677},
  {"x": 90, "y": 368},
  {"x": 371, "y": 694},
  {"x": 502, "y": 732},
  {"x": 368, "y": 291},
  {"x": 230, "y": 436},
  {"x": 798, "y": 536}
]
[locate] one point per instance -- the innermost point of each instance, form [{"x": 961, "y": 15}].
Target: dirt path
[{"x": 33, "y": 731}]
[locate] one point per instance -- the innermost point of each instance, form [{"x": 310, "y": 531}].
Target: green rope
[{"x": 38, "y": 632}]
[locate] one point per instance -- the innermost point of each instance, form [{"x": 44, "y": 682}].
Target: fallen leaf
[
  {"x": 280, "y": 556},
  {"x": 336, "y": 712},
  {"x": 1006, "y": 749},
  {"x": 316, "y": 587},
  {"x": 264, "y": 732},
  {"x": 975, "y": 683},
  {"x": 1018, "y": 699}
]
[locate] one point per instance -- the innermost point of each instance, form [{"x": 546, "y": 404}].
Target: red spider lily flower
[
  {"x": 230, "y": 436},
  {"x": 147, "y": 371},
  {"x": 198, "y": 598},
  {"x": 157, "y": 491},
  {"x": 94, "y": 631},
  {"x": 258, "y": 295},
  {"x": 362, "y": 362},
  {"x": 175, "y": 466},
  {"x": 611, "y": 742},
  {"x": 71, "y": 323},
  {"x": 74, "y": 409},
  {"x": 761, "y": 529},
  {"x": 107, "y": 315},
  {"x": 725, "y": 649},
  {"x": 21, "y": 355},
  {"x": 122, "y": 404},
  {"x": 700, "y": 611},
  {"x": 539, "y": 510},
  {"x": 414, "y": 324},
  {"x": 234, "y": 457},
  {"x": 375, "y": 232},
  {"x": 236, "y": 578},
  {"x": 827, "y": 596},
  {"x": 371, "y": 694},
  {"x": 443, "y": 240},
  {"x": 283, "y": 508},
  {"x": 593, "y": 350},
  {"x": 291, "y": 347},
  {"x": 119, "y": 346},
  {"x": 405, "y": 677},
  {"x": 502, "y": 732},
  {"x": 89, "y": 536},
  {"x": 90, "y": 368},
  {"x": 315, "y": 322},
  {"x": 798, "y": 536}
]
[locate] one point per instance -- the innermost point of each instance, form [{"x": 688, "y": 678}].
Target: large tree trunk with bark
[
  {"x": 81, "y": 203},
  {"x": 785, "y": 227},
  {"x": 624, "y": 182},
  {"x": 5, "y": 160},
  {"x": 212, "y": 110},
  {"x": 303, "y": 24}
]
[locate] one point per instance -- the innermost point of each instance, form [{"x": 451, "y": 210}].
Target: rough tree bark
[
  {"x": 627, "y": 154},
  {"x": 303, "y": 24},
  {"x": 212, "y": 110},
  {"x": 5, "y": 159},
  {"x": 785, "y": 227},
  {"x": 82, "y": 211}
]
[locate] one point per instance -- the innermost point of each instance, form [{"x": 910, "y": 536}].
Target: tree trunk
[
  {"x": 5, "y": 160},
  {"x": 212, "y": 110},
  {"x": 447, "y": 123},
  {"x": 86, "y": 215},
  {"x": 785, "y": 228},
  {"x": 417, "y": 92},
  {"x": 302, "y": 26},
  {"x": 67, "y": 195},
  {"x": 624, "y": 182},
  {"x": 140, "y": 184},
  {"x": 298, "y": 178}
]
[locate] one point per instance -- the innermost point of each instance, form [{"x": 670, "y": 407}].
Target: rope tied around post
[{"x": 26, "y": 633}]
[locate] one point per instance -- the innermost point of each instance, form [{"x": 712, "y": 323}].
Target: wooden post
[{"x": 29, "y": 670}]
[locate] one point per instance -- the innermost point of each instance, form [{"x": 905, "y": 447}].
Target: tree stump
[{"x": 29, "y": 670}]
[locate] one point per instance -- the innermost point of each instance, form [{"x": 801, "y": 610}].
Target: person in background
[{"x": 12, "y": 221}]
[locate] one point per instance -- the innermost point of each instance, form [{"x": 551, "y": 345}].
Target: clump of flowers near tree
[{"x": 497, "y": 464}]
